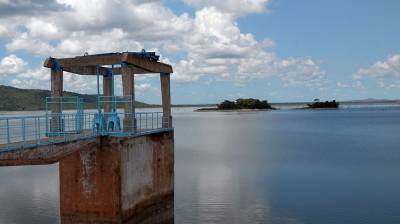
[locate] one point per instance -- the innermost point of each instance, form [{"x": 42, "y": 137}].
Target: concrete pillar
[
  {"x": 56, "y": 122},
  {"x": 128, "y": 89},
  {"x": 107, "y": 91},
  {"x": 166, "y": 99},
  {"x": 119, "y": 179}
]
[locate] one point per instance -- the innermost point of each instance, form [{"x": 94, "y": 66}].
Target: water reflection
[
  {"x": 267, "y": 167},
  {"x": 162, "y": 213},
  {"x": 29, "y": 194}
]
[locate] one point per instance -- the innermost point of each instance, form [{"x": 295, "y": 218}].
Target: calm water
[{"x": 288, "y": 166}]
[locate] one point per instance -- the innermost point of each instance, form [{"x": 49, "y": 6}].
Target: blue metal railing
[
  {"x": 31, "y": 131},
  {"x": 64, "y": 102}
]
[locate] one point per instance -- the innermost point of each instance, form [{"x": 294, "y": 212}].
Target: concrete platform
[{"x": 110, "y": 179}]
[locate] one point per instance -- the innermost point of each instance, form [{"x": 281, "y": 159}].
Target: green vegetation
[
  {"x": 327, "y": 104},
  {"x": 13, "y": 99},
  {"x": 249, "y": 103}
]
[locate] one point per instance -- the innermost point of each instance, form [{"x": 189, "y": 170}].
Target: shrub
[{"x": 249, "y": 103}]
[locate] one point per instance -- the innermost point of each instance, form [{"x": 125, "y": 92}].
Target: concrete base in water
[{"x": 119, "y": 180}]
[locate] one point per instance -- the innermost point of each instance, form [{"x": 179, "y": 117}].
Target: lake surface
[{"x": 286, "y": 166}]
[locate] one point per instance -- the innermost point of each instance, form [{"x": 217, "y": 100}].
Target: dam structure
[{"x": 115, "y": 164}]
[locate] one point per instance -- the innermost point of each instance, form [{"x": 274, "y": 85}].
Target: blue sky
[{"x": 278, "y": 50}]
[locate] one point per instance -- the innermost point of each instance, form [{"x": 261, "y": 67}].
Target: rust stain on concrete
[
  {"x": 119, "y": 180},
  {"x": 110, "y": 179},
  {"x": 43, "y": 155}
]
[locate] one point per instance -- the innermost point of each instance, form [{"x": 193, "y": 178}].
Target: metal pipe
[
  {"x": 98, "y": 89},
  {"x": 8, "y": 132},
  {"x": 112, "y": 87},
  {"x": 23, "y": 129},
  {"x": 36, "y": 130}
]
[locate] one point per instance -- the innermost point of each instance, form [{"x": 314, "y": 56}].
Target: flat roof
[{"x": 139, "y": 62}]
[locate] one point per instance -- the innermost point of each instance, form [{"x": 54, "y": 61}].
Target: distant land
[
  {"x": 372, "y": 100},
  {"x": 239, "y": 105},
  {"x": 369, "y": 101},
  {"x": 15, "y": 99}
]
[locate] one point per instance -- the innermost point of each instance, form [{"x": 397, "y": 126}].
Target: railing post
[
  {"x": 146, "y": 121},
  {"x": 133, "y": 117},
  {"x": 157, "y": 117},
  {"x": 140, "y": 119},
  {"x": 63, "y": 131},
  {"x": 36, "y": 130},
  {"x": 8, "y": 132},
  {"x": 23, "y": 130}
]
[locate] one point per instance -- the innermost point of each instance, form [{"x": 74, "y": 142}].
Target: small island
[
  {"x": 321, "y": 105},
  {"x": 240, "y": 104}
]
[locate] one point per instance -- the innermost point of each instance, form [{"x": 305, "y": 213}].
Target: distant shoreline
[
  {"x": 355, "y": 102},
  {"x": 214, "y": 109},
  {"x": 303, "y": 106}
]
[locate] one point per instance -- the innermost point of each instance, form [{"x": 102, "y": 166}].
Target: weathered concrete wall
[
  {"x": 120, "y": 179},
  {"x": 147, "y": 170},
  {"x": 90, "y": 184},
  {"x": 42, "y": 155}
]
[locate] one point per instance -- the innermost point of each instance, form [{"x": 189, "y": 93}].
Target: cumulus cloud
[
  {"x": 143, "y": 86},
  {"x": 342, "y": 85},
  {"x": 381, "y": 69},
  {"x": 210, "y": 43},
  {"x": 218, "y": 48},
  {"x": 43, "y": 29},
  {"x": 95, "y": 26},
  {"x": 28, "y": 7},
  {"x": 300, "y": 71},
  {"x": 11, "y": 65},
  {"x": 40, "y": 79},
  {"x": 32, "y": 79},
  {"x": 236, "y": 7},
  {"x": 387, "y": 72},
  {"x": 3, "y": 30},
  {"x": 34, "y": 46}
]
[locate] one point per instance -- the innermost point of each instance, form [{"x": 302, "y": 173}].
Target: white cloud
[
  {"x": 300, "y": 71},
  {"x": 40, "y": 79},
  {"x": 219, "y": 49},
  {"x": 32, "y": 79},
  {"x": 209, "y": 44},
  {"x": 342, "y": 85},
  {"x": 41, "y": 29},
  {"x": 142, "y": 87},
  {"x": 386, "y": 73},
  {"x": 3, "y": 30},
  {"x": 31, "y": 45},
  {"x": 381, "y": 69},
  {"x": 359, "y": 85},
  {"x": 237, "y": 7},
  {"x": 267, "y": 43},
  {"x": 11, "y": 65}
]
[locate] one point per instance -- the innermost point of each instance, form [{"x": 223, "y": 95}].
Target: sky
[{"x": 275, "y": 50}]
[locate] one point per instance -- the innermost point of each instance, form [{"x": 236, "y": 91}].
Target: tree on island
[
  {"x": 227, "y": 105},
  {"x": 249, "y": 103},
  {"x": 317, "y": 104}
]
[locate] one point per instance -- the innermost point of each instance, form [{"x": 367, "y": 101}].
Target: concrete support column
[
  {"x": 119, "y": 180},
  {"x": 107, "y": 91},
  {"x": 128, "y": 88},
  {"x": 56, "y": 122},
  {"x": 166, "y": 99}
]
